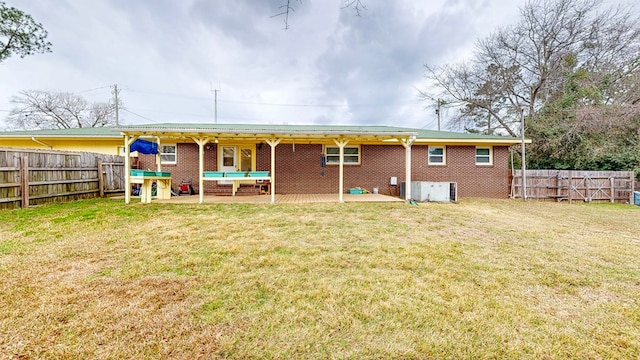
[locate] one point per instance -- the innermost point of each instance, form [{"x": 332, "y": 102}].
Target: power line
[
  {"x": 429, "y": 124},
  {"x": 169, "y": 94},
  {"x": 192, "y": 115},
  {"x": 138, "y": 115},
  {"x": 231, "y": 101},
  {"x": 94, "y": 89},
  {"x": 258, "y": 102},
  {"x": 291, "y": 105},
  {"x": 162, "y": 112}
]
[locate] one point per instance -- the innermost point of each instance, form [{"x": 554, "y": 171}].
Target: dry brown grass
[{"x": 479, "y": 279}]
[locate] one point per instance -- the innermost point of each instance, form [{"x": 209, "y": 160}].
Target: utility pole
[
  {"x": 115, "y": 95},
  {"x": 215, "y": 99}
]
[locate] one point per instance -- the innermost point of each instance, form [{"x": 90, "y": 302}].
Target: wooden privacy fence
[
  {"x": 575, "y": 185},
  {"x": 32, "y": 177}
]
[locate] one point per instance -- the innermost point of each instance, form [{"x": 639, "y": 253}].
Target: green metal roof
[
  {"x": 112, "y": 132},
  {"x": 434, "y": 134},
  {"x": 263, "y": 128},
  {"x": 421, "y": 133},
  {"x": 74, "y": 132}
]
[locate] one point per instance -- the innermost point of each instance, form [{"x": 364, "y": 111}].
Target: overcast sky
[{"x": 329, "y": 67}]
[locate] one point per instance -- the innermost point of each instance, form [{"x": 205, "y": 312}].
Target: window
[
  {"x": 484, "y": 156},
  {"x": 229, "y": 156},
  {"x": 168, "y": 154},
  {"x": 437, "y": 155},
  {"x": 246, "y": 159},
  {"x": 351, "y": 155}
]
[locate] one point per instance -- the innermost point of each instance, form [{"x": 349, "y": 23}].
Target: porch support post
[
  {"x": 341, "y": 144},
  {"x": 201, "y": 143},
  {"x": 407, "y": 165},
  {"x": 128, "y": 140},
  {"x": 159, "y": 155},
  {"x": 273, "y": 142}
]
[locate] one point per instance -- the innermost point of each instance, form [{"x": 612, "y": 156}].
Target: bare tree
[
  {"x": 357, "y": 6},
  {"x": 286, "y": 8},
  {"x": 522, "y": 68},
  {"x": 35, "y": 109}
]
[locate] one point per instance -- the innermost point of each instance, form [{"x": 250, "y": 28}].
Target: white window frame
[
  {"x": 490, "y": 156},
  {"x": 444, "y": 155},
  {"x": 330, "y": 157},
  {"x": 174, "y": 153}
]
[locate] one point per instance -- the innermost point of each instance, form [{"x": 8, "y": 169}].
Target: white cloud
[{"x": 330, "y": 66}]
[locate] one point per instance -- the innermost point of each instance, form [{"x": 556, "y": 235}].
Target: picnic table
[
  {"x": 236, "y": 177},
  {"x": 147, "y": 178}
]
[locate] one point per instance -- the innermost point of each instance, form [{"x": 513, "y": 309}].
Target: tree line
[{"x": 568, "y": 70}]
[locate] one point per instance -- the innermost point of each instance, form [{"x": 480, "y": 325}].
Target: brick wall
[
  {"x": 299, "y": 169},
  {"x": 473, "y": 180}
]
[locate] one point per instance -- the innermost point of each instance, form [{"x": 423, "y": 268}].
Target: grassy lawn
[{"x": 482, "y": 279}]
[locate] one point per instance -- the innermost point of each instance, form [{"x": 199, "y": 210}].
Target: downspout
[{"x": 33, "y": 138}]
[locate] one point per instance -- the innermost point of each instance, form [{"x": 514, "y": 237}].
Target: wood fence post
[
  {"x": 100, "y": 178},
  {"x": 24, "y": 181},
  {"x": 632, "y": 181},
  {"x": 613, "y": 194},
  {"x": 570, "y": 176},
  {"x": 519, "y": 184}
]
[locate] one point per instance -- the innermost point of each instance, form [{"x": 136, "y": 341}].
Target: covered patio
[{"x": 271, "y": 135}]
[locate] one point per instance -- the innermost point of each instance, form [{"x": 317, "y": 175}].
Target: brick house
[{"x": 307, "y": 159}]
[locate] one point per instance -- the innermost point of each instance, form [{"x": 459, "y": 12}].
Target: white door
[{"x": 228, "y": 160}]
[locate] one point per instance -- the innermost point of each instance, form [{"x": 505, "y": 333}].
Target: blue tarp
[{"x": 144, "y": 147}]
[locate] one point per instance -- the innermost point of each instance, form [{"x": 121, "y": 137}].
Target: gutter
[
  {"x": 506, "y": 141},
  {"x": 33, "y": 138},
  {"x": 287, "y": 133}
]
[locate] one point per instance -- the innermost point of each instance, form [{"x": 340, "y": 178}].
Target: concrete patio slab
[{"x": 280, "y": 199}]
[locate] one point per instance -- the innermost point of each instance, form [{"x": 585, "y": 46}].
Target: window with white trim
[
  {"x": 351, "y": 155},
  {"x": 168, "y": 153},
  {"x": 437, "y": 155},
  {"x": 484, "y": 155}
]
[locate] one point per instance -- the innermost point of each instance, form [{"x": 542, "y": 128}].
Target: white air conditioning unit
[{"x": 434, "y": 191}]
